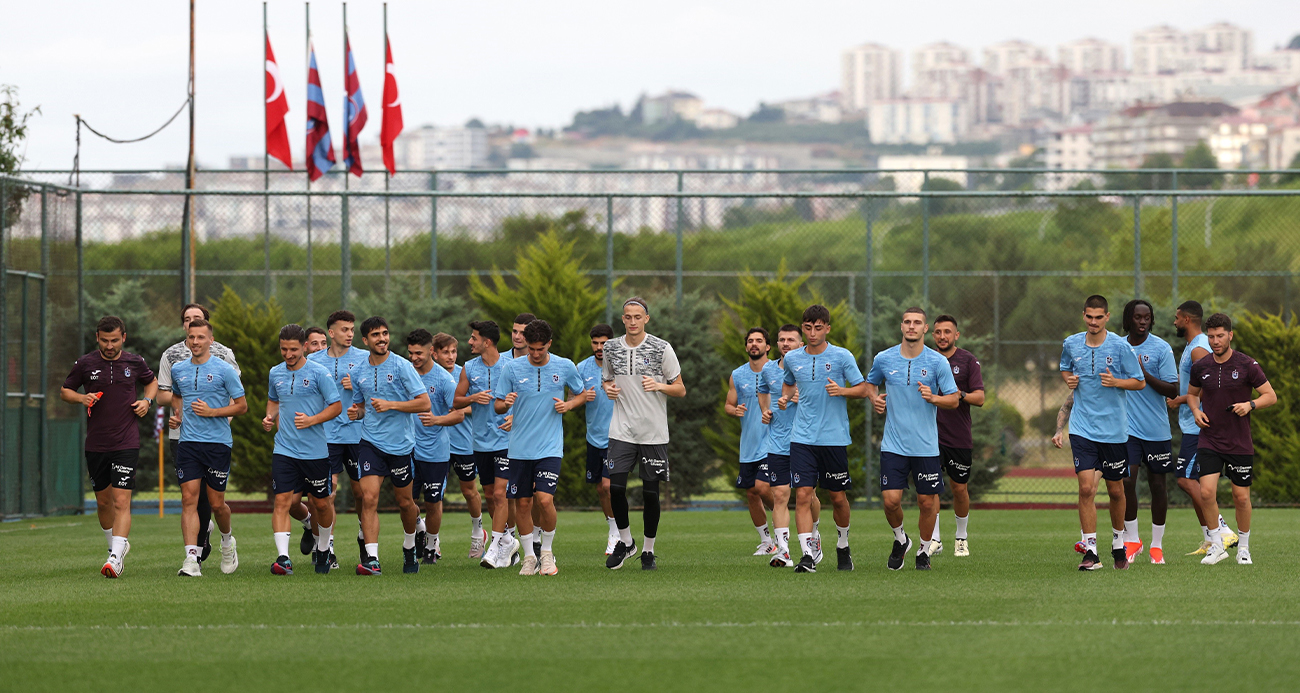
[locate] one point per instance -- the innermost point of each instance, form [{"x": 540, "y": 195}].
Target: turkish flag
[
  {"x": 277, "y": 105},
  {"x": 392, "y": 125}
]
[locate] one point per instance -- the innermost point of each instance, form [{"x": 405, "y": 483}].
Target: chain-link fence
[{"x": 1012, "y": 264}]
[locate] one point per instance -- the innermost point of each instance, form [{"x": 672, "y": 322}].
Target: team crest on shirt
[
  {"x": 1146, "y": 358},
  {"x": 209, "y": 377},
  {"x": 126, "y": 372},
  {"x": 390, "y": 377},
  {"x": 922, "y": 372},
  {"x": 828, "y": 367},
  {"x": 555, "y": 377},
  {"x": 956, "y": 370},
  {"x": 1235, "y": 375},
  {"x": 1110, "y": 360}
]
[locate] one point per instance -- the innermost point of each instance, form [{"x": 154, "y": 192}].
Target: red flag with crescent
[
  {"x": 392, "y": 124},
  {"x": 277, "y": 105}
]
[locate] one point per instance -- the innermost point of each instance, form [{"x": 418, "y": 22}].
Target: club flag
[
  {"x": 354, "y": 113},
  {"x": 277, "y": 105},
  {"x": 320, "y": 151},
  {"x": 391, "y": 126}
]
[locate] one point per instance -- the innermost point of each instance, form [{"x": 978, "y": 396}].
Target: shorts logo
[
  {"x": 884, "y": 479},
  {"x": 1235, "y": 374},
  {"x": 514, "y": 488},
  {"x": 796, "y": 477},
  {"x": 956, "y": 370},
  {"x": 366, "y": 466},
  {"x": 180, "y": 473}
]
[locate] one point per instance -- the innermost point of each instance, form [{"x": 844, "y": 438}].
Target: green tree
[
  {"x": 1199, "y": 157},
  {"x": 1275, "y": 344},
  {"x": 406, "y": 312},
  {"x": 250, "y": 330},
  {"x": 13, "y": 133}
]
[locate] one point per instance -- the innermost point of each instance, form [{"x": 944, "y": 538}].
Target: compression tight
[{"x": 618, "y": 503}]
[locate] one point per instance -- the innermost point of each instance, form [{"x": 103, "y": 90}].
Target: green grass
[{"x": 1015, "y": 615}]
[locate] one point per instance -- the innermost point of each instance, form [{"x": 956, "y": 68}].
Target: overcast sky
[{"x": 122, "y": 64}]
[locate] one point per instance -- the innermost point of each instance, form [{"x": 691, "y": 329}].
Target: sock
[
  {"x": 1216, "y": 538},
  {"x": 433, "y": 540},
  {"x": 325, "y": 539},
  {"x": 1223, "y": 524},
  {"x": 1131, "y": 532},
  {"x": 497, "y": 537},
  {"x": 934, "y": 535},
  {"x": 1157, "y": 536},
  {"x": 331, "y": 540},
  {"x": 843, "y": 541},
  {"x": 281, "y": 543},
  {"x": 117, "y": 545},
  {"x": 806, "y": 543},
  {"x": 528, "y": 550},
  {"x": 372, "y": 550},
  {"x": 816, "y": 525},
  {"x": 108, "y": 537},
  {"x": 548, "y": 538},
  {"x": 537, "y": 535},
  {"x": 1083, "y": 536},
  {"x": 625, "y": 535},
  {"x": 961, "y": 527},
  {"x": 1090, "y": 541},
  {"x": 226, "y": 539},
  {"x": 1243, "y": 541},
  {"x": 899, "y": 535},
  {"x": 649, "y": 544},
  {"x": 1205, "y": 531},
  {"x": 1116, "y": 538},
  {"x": 613, "y": 526},
  {"x": 763, "y": 534},
  {"x": 408, "y": 540},
  {"x": 306, "y": 522},
  {"x": 419, "y": 525},
  {"x": 192, "y": 550},
  {"x": 475, "y": 526},
  {"x": 514, "y": 531},
  {"x": 783, "y": 538}
]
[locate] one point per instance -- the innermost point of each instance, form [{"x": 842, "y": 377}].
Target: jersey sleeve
[
  {"x": 229, "y": 357},
  {"x": 606, "y": 371},
  {"x": 763, "y": 388},
  {"x": 876, "y": 376},
  {"x": 672, "y": 369},
  {"x": 975, "y": 376},
  {"x": 164, "y": 374},
  {"x": 271, "y": 394},
  {"x": 850, "y": 369},
  {"x": 1168, "y": 367},
  {"x": 145, "y": 376},
  {"x": 1255, "y": 374},
  {"x": 1067, "y": 364},
  {"x": 575, "y": 381},
  {"x": 411, "y": 381},
  {"x": 1128, "y": 361},
  {"x": 505, "y": 384},
  {"x": 947, "y": 383},
  {"x": 787, "y": 374},
  {"x": 73, "y": 381},
  {"x": 325, "y": 385},
  {"x": 1194, "y": 379},
  {"x": 234, "y": 387}
]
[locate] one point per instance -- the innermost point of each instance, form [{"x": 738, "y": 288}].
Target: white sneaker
[
  {"x": 113, "y": 566},
  {"x": 1214, "y": 555},
  {"x": 489, "y": 557},
  {"x": 781, "y": 560},
  {"x": 126, "y": 548},
  {"x": 931, "y": 547},
  {"x": 1243, "y": 557},
  {"x": 507, "y": 552},
  {"x": 961, "y": 549},
  {"x": 548, "y": 566},
  {"x": 530, "y": 566},
  {"x": 610, "y": 543},
  {"x": 190, "y": 568},
  {"x": 478, "y": 544},
  {"x": 765, "y": 548},
  {"x": 229, "y": 557}
]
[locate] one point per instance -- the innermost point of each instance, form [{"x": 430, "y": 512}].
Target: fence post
[
  {"x": 5, "y": 482},
  {"x": 925, "y": 244},
  {"x": 1173, "y": 207},
  {"x": 186, "y": 277},
  {"x": 345, "y": 248},
  {"x": 1137, "y": 246},
  {"x": 433, "y": 235},
  {"x": 679, "y": 241},
  {"x": 44, "y": 363},
  {"x": 609, "y": 260},
  {"x": 997, "y": 325},
  {"x": 869, "y": 463},
  {"x": 86, "y": 344},
  {"x": 311, "y": 267}
]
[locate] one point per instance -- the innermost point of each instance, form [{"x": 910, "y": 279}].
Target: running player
[
  {"x": 777, "y": 446},
  {"x": 301, "y": 396},
  {"x": 598, "y": 410},
  {"x": 1099, "y": 366},
  {"x": 918, "y": 382},
  {"x": 174, "y": 354},
  {"x": 1187, "y": 321},
  {"x": 110, "y": 377},
  {"x": 747, "y": 402},
  {"x": 1219, "y": 396},
  {"x": 317, "y": 340},
  {"x": 432, "y": 440},
  {"x": 385, "y": 391},
  {"x": 823, "y": 376},
  {"x": 955, "y": 443},
  {"x": 461, "y": 444},
  {"x": 640, "y": 373},
  {"x": 206, "y": 391},
  {"x": 533, "y": 388},
  {"x": 1149, "y": 439},
  {"x": 491, "y": 439},
  {"x": 342, "y": 435}
]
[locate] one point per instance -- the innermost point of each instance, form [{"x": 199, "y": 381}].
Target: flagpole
[
  {"x": 311, "y": 300},
  {"x": 266, "y": 162},
  {"x": 345, "y": 240},
  {"x": 388, "y": 248},
  {"x": 187, "y": 234}
]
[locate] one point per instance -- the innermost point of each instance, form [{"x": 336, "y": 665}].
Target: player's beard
[
  {"x": 1181, "y": 332},
  {"x": 755, "y": 357}
]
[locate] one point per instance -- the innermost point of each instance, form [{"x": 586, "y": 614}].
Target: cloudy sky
[{"x": 122, "y": 65}]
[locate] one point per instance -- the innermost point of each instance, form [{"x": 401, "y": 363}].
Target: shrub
[{"x": 1275, "y": 344}]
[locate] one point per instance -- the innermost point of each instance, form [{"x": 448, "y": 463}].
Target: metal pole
[
  {"x": 345, "y": 235},
  {"x": 81, "y": 284},
  {"x": 997, "y": 322},
  {"x": 679, "y": 242},
  {"x": 1137, "y": 247},
  {"x": 5, "y": 482},
  {"x": 609, "y": 260},
  {"x": 433, "y": 236},
  {"x": 867, "y": 350},
  {"x": 266, "y": 165},
  {"x": 388, "y": 247},
  {"x": 44, "y": 362},
  {"x": 311, "y": 267},
  {"x": 925, "y": 243},
  {"x": 189, "y": 178},
  {"x": 1173, "y": 207}
]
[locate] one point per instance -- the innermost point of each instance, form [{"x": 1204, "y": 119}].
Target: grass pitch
[{"x": 1015, "y": 615}]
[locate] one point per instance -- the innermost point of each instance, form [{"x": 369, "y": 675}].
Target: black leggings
[{"x": 618, "y": 503}]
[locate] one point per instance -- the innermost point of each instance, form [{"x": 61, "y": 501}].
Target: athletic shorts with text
[
  {"x": 533, "y": 476},
  {"x": 115, "y": 468},
  {"x": 826, "y": 466},
  {"x": 343, "y": 458},
  {"x": 292, "y": 475},
  {"x": 464, "y": 467},
  {"x": 1111, "y": 459},
  {"x": 956, "y": 461},
  {"x": 1156, "y": 455},
  {"x": 488, "y": 462},
  {"x": 1238, "y": 468},
  {"x": 778, "y": 469},
  {"x": 431, "y": 479},
  {"x": 925, "y": 473},
  {"x": 376, "y": 462},
  {"x": 651, "y": 459},
  {"x": 209, "y": 462},
  {"x": 751, "y": 472},
  {"x": 597, "y": 464}
]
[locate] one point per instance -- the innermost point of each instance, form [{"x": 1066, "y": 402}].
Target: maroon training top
[
  {"x": 112, "y": 425},
  {"x": 954, "y": 424},
  {"x": 1223, "y": 385}
]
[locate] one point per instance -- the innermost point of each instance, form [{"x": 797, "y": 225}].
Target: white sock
[
  {"x": 331, "y": 540},
  {"x": 783, "y": 538},
  {"x": 613, "y": 526},
  {"x": 1216, "y": 538},
  {"x": 899, "y": 535},
  {"x": 306, "y": 522},
  {"x": 1116, "y": 538},
  {"x": 117, "y": 545},
  {"x": 1243, "y": 541},
  {"x": 842, "y": 542},
  {"x": 419, "y": 525},
  {"x": 647, "y": 544},
  {"x": 281, "y": 543},
  {"x": 528, "y": 550},
  {"x": 1223, "y": 524},
  {"x": 1090, "y": 541},
  {"x": 961, "y": 527},
  {"x": 548, "y": 538},
  {"x": 475, "y": 526},
  {"x": 408, "y": 540},
  {"x": 816, "y": 526},
  {"x": 1157, "y": 536},
  {"x": 108, "y": 537},
  {"x": 514, "y": 531},
  {"x": 212, "y": 526},
  {"x": 192, "y": 550},
  {"x": 433, "y": 539},
  {"x": 323, "y": 539},
  {"x": 1131, "y": 532},
  {"x": 763, "y": 534},
  {"x": 372, "y": 550},
  {"x": 806, "y": 544},
  {"x": 537, "y": 534},
  {"x": 497, "y": 536},
  {"x": 1206, "y": 532},
  {"x": 226, "y": 539},
  {"x": 1083, "y": 536},
  {"x": 625, "y": 535},
  {"x": 934, "y": 534}
]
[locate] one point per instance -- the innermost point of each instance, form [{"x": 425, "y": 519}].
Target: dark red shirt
[
  {"x": 954, "y": 424},
  {"x": 1223, "y": 385},
  {"x": 112, "y": 425}
]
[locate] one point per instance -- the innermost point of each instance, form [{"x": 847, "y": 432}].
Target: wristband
[{"x": 1252, "y": 405}]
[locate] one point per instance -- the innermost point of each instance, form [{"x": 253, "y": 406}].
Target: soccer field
[{"x": 1015, "y": 615}]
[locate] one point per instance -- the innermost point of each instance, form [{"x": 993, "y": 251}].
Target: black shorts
[
  {"x": 376, "y": 462},
  {"x": 292, "y": 475},
  {"x": 343, "y": 458},
  {"x": 431, "y": 479},
  {"x": 464, "y": 467},
  {"x": 114, "y": 468},
  {"x": 652, "y": 459},
  {"x": 1157, "y": 455},
  {"x": 956, "y": 461},
  {"x": 597, "y": 464},
  {"x": 751, "y": 472},
  {"x": 925, "y": 473},
  {"x": 487, "y": 463},
  {"x": 1238, "y": 468},
  {"x": 778, "y": 469},
  {"x": 1111, "y": 459},
  {"x": 1186, "y": 466},
  {"x": 533, "y": 476},
  {"x": 209, "y": 462},
  {"x": 826, "y": 466}
]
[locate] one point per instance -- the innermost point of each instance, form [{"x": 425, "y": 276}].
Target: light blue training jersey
[
  {"x": 341, "y": 431},
  {"x": 433, "y": 443},
  {"x": 394, "y": 380},
  {"x": 308, "y": 390},
  {"x": 1100, "y": 414},
  {"x": 911, "y": 423},
  {"x": 1187, "y": 422},
  {"x": 753, "y": 432},
  {"x": 599, "y": 410},
  {"x": 1148, "y": 415},
  {"x": 216, "y": 383},
  {"x": 777, "y": 441},
  {"x": 488, "y": 436},
  {"x": 462, "y": 434},
  {"x": 537, "y": 431},
  {"x": 820, "y": 418}
]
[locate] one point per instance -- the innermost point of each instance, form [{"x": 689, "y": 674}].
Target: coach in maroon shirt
[
  {"x": 1219, "y": 395},
  {"x": 110, "y": 378},
  {"x": 955, "y": 442}
]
